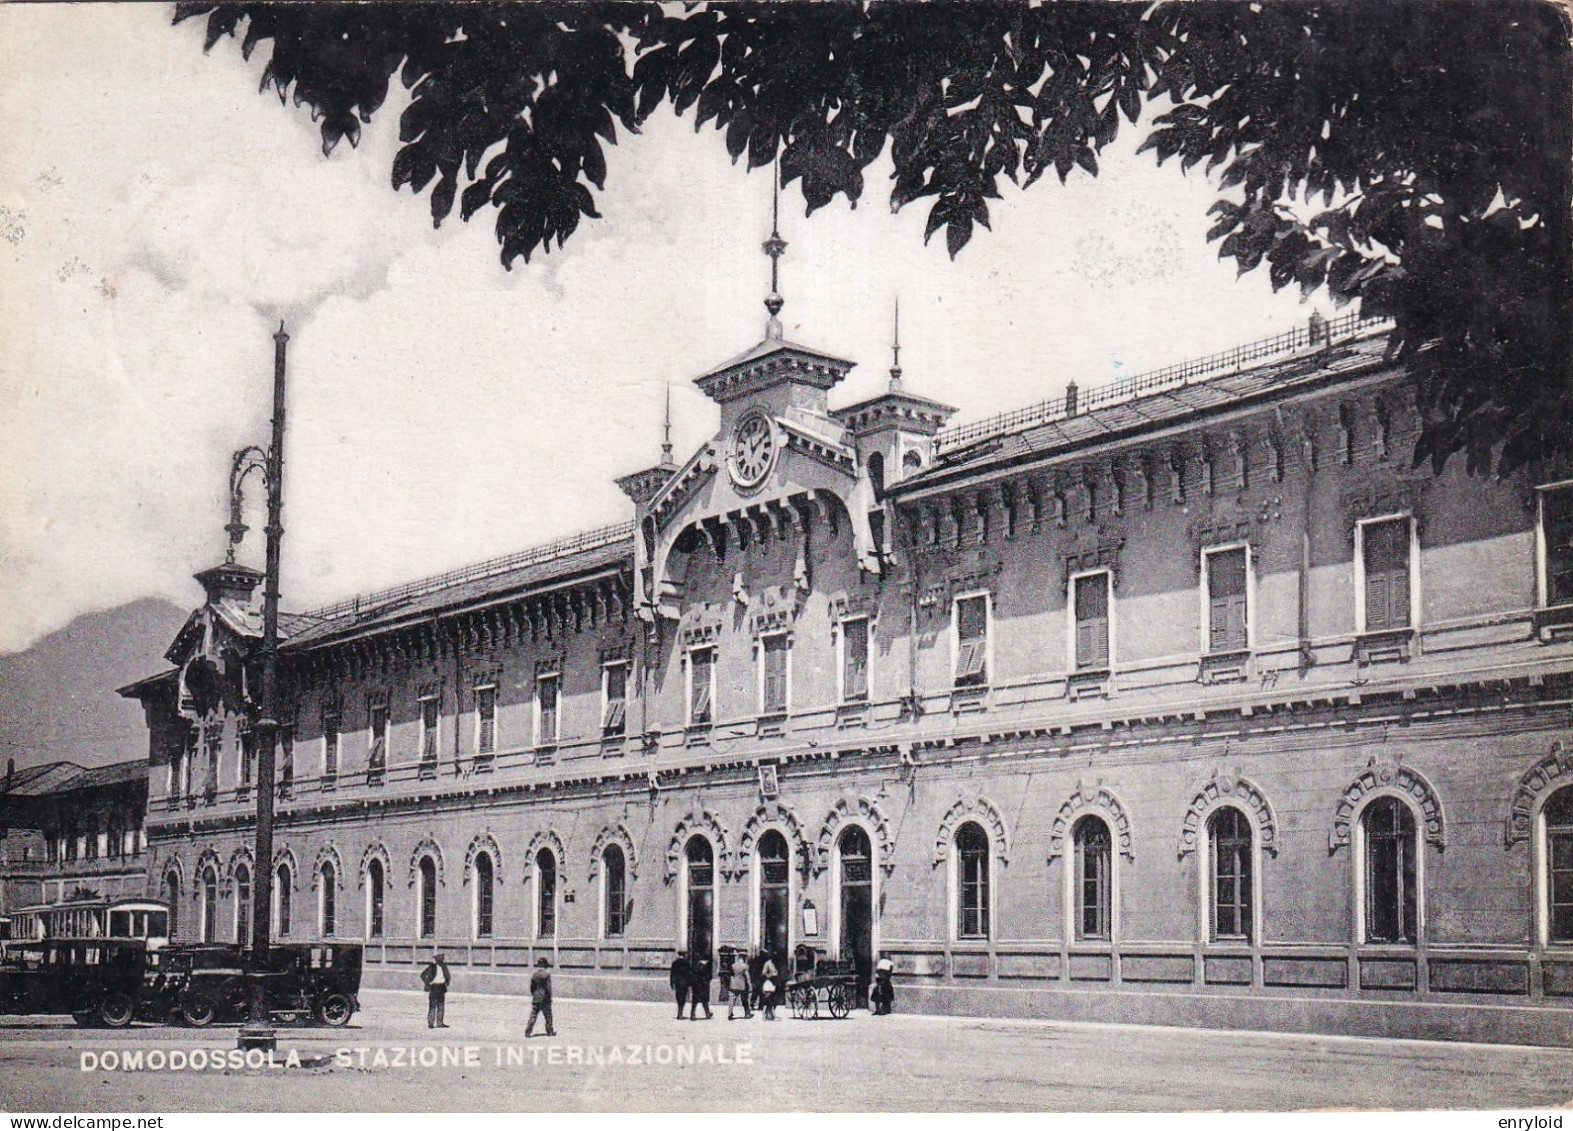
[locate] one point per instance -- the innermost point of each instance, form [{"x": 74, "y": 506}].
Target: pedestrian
[
  {"x": 681, "y": 980},
  {"x": 699, "y": 987},
  {"x": 768, "y": 974},
  {"x": 884, "y": 990},
  {"x": 739, "y": 987},
  {"x": 541, "y": 996},
  {"x": 756, "y": 963},
  {"x": 436, "y": 979}
]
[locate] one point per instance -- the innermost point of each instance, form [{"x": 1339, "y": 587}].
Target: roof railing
[
  {"x": 578, "y": 543},
  {"x": 1317, "y": 333}
]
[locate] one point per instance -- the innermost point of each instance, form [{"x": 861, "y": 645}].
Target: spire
[
  {"x": 774, "y": 247},
  {"x": 666, "y": 431},
  {"x": 895, "y": 352}
]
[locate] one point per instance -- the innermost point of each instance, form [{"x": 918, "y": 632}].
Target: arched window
[
  {"x": 242, "y": 905},
  {"x": 699, "y": 868},
  {"x": 1390, "y": 905},
  {"x": 614, "y": 891},
  {"x": 328, "y": 901},
  {"x": 172, "y": 897},
  {"x": 1229, "y": 850},
  {"x": 427, "y": 896},
  {"x": 375, "y": 896},
  {"x": 972, "y": 882},
  {"x": 209, "y": 904},
  {"x": 1094, "y": 879},
  {"x": 1558, "y": 817},
  {"x": 483, "y": 896},
  {"x": 545, "y": 894},
  {"x": 283, "y": 894},
  {"x": 775, "y": 897}
]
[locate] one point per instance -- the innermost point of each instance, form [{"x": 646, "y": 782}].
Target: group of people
[
  {"x": 437, "y": 978},
  {"x": 752, "y": 982}
]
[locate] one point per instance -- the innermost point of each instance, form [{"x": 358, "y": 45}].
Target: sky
[{"x": 159, "y": 216}]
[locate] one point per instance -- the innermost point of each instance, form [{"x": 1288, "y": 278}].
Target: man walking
[
  {"x": 436, "y": 979},
  {"x": 700, "y": 987},
  {"x": 541, "y": 997},
  {"x": 682, "y": 975}
]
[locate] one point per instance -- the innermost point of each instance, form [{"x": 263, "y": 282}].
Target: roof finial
[
  {"x": 895, "y": 352},
  {"x": 666, "y": 430},
  {"x": 774, "y": 247}
]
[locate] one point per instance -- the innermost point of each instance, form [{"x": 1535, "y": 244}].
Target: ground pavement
[{"x": 609, "y": 1056}]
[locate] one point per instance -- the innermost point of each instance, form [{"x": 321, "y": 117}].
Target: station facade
[{"x": 1186, "y": 700}]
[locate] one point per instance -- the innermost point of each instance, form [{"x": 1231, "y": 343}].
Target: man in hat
[
  {"x": 436, "y": 979},
  {"x": 682, "y": 975},
  {"x": 541, "y": 996}
]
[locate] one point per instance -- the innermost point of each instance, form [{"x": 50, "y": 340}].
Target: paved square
[{"x": 636, "y": 1056}]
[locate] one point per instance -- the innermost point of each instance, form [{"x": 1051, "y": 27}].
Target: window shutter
[
  {"x": 701, "y": 711},
  {"x": 1398, "y": 599},
  {"x": 616, "y": 711},
  {"x": 1377, "y": 614}
]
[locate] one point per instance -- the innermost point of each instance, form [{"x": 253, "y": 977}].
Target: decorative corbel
[
  {"x": 1346, "y": 436},
  {"x": 1117, "y": 487},
  {"x": 1089, "y": 490},
  {"x": 1175, "y": 459},
  {"x": 1384, "y": 428},
  {"x": 1207, "y": 466}
]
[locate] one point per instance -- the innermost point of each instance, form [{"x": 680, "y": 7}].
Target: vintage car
[
  {"x": 108, "y": 982},
  {"x": 208, "y": 983}
]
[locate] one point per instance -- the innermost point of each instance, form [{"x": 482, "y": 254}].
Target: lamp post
[{"x": 257, "y": 1032}]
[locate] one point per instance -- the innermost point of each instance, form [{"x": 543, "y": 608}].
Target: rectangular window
[
  {"x": 972, "y": 640},
  {"x": 1226, "y": 600},
  {"x": 547, "y": 688},
  {"x": 773, "y": 653},
  {"x": 1091, "y": 602},
  {"x": 246, "y": 759},
  {"x": 485, "y": 721},
  {"x": 330, "y": 746},
  {"x": 701, "y": 680},
  {"x": 430, "y": 725},
  {"x": 377, "y": 752},
  {"x": 215, "y": 741},
  {"x": 1556, "y": 537},
  {"x": 1385, "y": 561},
  {"x": 614, "y": 699},
  {"x": 286, "y": 760},
  {"x": 854, "y": 660}
]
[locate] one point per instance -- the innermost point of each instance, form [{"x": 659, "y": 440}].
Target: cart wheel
[
  {"x": 198, "y": 1012},
  {"x": 798, "y": 996},
  {"x": 839, "y": 999},
  {"x": 116, "y": 1010},
  {"x": 335, "y": 1009}
]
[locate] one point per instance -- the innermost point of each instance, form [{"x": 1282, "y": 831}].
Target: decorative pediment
[
  {"x": 486, "y": 843},
  {"x": 618, "y": 835},
  {"x": 548, "y": 839},
  {"x": 773, "y": 610},
  {"x": 1378, "y": 779},
  {"x": 985, "y": 813},
  {"x": 1224, "y": 789},
  {"x": 698, "y": 821},
  {"x": 426, "y": 846},
  {"x": 771, "y": 815},
  {"x": 864, "y": 811},
  {"x": 1550, "y": 773},
  {"x": 1098, "y": 799},
  {"x": 327, "y": 854},
  {"x": 377, "y": 851}
]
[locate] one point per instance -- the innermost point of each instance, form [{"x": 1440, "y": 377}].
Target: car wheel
[
  {"x": 117, "y": 1010},
  {"x": 198, "y": 1012},
  {"x": 335, "y": 1009}
]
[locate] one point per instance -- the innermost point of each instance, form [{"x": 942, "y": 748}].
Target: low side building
[
  {"x": 72, "y": 832},
  {"x": 1186, "y": 700}
]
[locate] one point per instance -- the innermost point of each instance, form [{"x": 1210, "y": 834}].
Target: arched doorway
[
  {"x": 775, "y": 897},
  {"x": 856, "y": 941},
  {"x": 699, "y": 861}
]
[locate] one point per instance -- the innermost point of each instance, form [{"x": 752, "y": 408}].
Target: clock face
[{"x": 753, "y": 449}]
